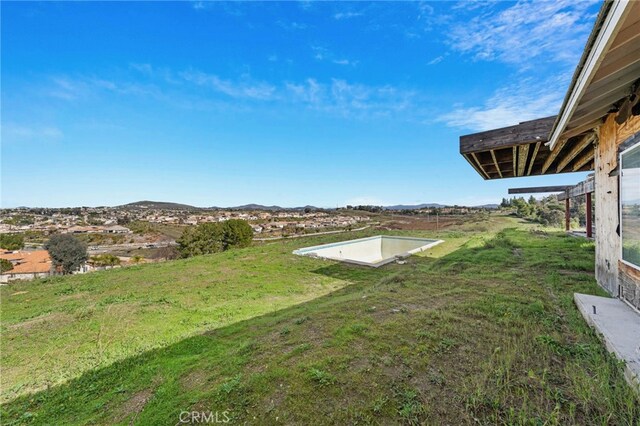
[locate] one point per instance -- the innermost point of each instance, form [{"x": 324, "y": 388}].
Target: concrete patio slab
[{"x": 618, "y": 326}]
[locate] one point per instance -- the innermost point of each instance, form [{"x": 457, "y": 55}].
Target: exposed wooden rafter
[
  {"x": 575, "y": 150},
  {"x": 495, "y": 162},
  {"x": 476, "y": 166},
  {"x": 533, "y": 157},
  {"x": 523, "y": 153},
  {"x": 553, "y": 154},
  {"x": 584, "y": 159}
]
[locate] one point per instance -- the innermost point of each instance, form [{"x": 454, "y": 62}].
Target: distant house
[
  {"x": 81, "y": 229},
  {"x": 27, "y": 265},
  {"x": 116, "y": 229}
]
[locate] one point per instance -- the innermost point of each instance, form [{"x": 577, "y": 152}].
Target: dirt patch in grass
[
  {"x": 57, "y": 318},
  {"x": 74, "y": 296},
  {"x": 134, "y": 405},
  {"x": 196, "y": 379},
  {"x": 19, "y": 292},
  {"x": 573, "y": 272}
]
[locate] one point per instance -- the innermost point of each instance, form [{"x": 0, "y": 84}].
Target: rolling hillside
[{"x": 473, "y": 331}]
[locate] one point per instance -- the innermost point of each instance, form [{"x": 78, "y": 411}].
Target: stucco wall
[{"x": 610, "y": 136}]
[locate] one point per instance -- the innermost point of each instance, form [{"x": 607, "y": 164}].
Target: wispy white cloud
[
  {"x": 526, "y": 100},
  {"x": 321, "y": 53},
  {"x": 292, "y": 25},
  {"x": 532, "y": 36},
  {"x": 194, "y": 88},
  {"x": 199, "y": 5},
  {"x": 350, "y": 99},
  {"x": 346, "y": 15},
  {"x": 436, "y": 60},
  {"x": 245, "y": 88},
  {"x": 13, "y": 133},
  {"x": 527, "y": 30}
]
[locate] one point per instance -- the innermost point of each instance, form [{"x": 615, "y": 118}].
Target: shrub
[
  {"x": 11, "y": 241},
  {"x": 105, "y": 260},
  {"x": 5, "y": 266},
  {"x": 209, "y": 238}
]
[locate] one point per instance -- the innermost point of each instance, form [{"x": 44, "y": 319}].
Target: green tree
[
  {"x": 236, "y": 233},
  {"x": 205, "y": 238},
  {"x": 209, "y": 238},
  {"x": 67, "y": 253},
  {"x": 5, "y": 266},
  {"x": 11, "y": 241}
]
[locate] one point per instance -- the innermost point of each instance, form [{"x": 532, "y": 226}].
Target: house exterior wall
[
  {"x": 608, "y": 267},
  {"x": 6, "y": 278}
]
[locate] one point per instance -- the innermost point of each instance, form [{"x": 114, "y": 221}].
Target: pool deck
[{"x": 618, "y": 325}]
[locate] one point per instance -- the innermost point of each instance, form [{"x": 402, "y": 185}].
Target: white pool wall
[{"x": 371, "y": 251}]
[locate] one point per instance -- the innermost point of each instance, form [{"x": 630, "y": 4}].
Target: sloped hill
[
  {"x": 474, "y": 331},
  {"x": 160, "y": 205}
]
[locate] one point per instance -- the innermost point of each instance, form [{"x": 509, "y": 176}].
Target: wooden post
[
  {"x": 567, "y": 215},
  {"x": 588, "y": 207}
]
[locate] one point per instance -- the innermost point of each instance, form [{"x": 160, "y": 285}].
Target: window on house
[{"x": 630, "y": 204}]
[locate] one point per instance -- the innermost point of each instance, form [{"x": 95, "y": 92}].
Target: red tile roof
[{"x": 27, "y": 262}]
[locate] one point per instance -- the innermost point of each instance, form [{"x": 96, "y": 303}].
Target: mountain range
[{"x": 164, "y": 205}]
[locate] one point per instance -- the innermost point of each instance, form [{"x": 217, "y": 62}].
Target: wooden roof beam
[
  {"x": 582, "y": 129},
  {"x": 495, "y": 162},
  {"x": 533, "y": 157},
  {"x": 507, "y": 137},
  {"x": 523, "y": 153},
  {"x": 584, "y": 159},
  {"x": 539, "y": 189},
  {"x": 553, "y": 154},
  {"x": 478, "y": 169},
  {"x": 577, "y": 149}
]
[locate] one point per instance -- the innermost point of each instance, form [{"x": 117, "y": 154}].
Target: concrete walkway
[{"x": 618, "y": 326}]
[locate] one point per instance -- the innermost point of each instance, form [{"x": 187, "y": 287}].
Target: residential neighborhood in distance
[{"x": 143, "y": 230}]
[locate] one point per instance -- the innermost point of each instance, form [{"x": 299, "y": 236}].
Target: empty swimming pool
[{"x": 372, "y": 251}]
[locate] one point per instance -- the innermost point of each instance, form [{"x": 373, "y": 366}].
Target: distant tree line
[
  {"x": 548, "y": 210},
  {"x": 215, "y": 237},
  {"x": 370, "y": 209}
]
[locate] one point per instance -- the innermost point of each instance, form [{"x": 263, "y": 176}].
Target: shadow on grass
[{"x": 277, "y": 365}]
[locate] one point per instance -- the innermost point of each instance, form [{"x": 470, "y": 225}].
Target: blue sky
[{"x": 294, "y": 103}]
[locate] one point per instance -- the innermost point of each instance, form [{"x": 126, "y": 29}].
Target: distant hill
[
  {"x": 434, "y": 205},
  {"x": 270, "y": 208},
  {"x": 414, "y": 206},
  {"x": 255, "y": 207},
  {"x": 161, "y": 205}
]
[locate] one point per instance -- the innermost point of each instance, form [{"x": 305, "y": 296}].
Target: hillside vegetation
[{"x": 480, "y": 329}]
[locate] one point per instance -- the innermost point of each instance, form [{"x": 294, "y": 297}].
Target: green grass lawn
[{"x": 480, "y": 329}]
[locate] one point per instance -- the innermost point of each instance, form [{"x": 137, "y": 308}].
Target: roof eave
[{"x": 607, "y": 25}]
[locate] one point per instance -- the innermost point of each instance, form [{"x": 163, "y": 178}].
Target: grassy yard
[{"x": 481, "y": 329}]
